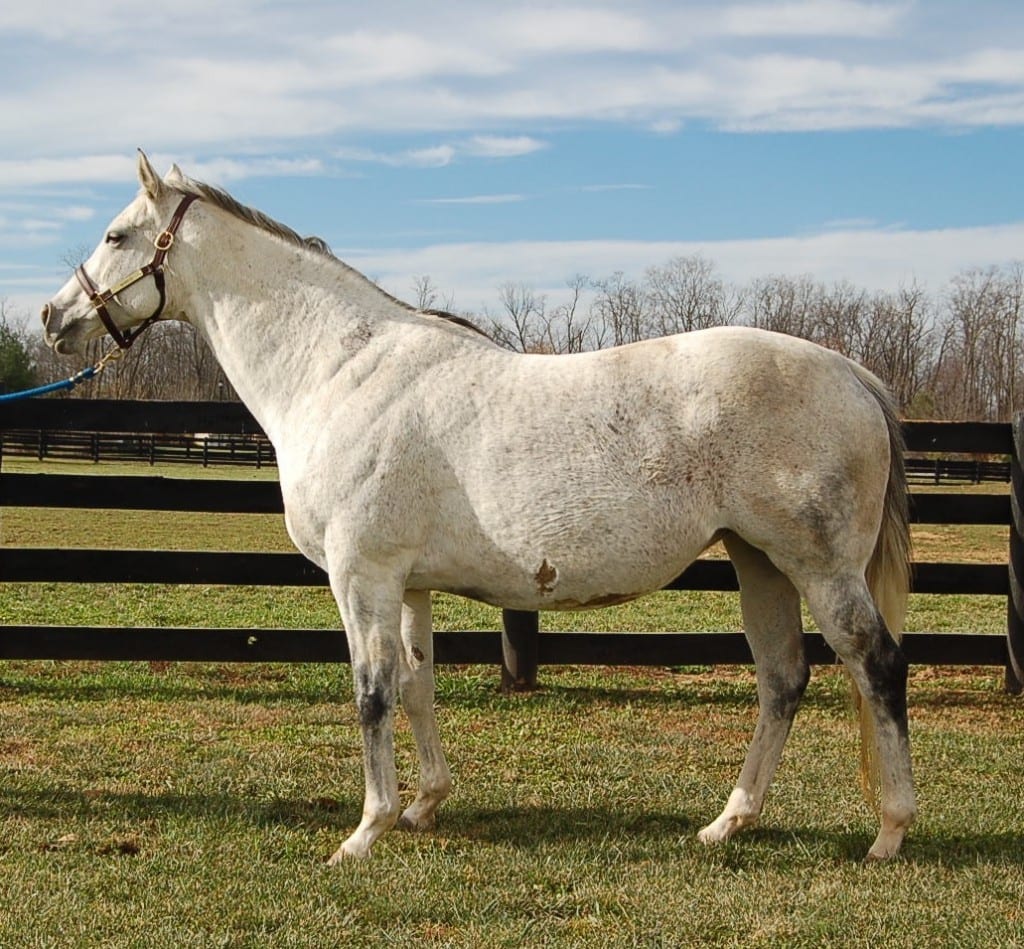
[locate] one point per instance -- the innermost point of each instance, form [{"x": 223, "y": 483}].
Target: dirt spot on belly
[{"x": 545, "y": 577}]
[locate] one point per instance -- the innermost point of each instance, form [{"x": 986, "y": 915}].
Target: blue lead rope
[{"x": 68, "y": 383}]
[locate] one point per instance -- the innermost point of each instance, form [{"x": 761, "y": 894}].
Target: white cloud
[
  {"x": 223, "y": 170},
  {"x": 873, "y": 258},
  {"x": 570, "y": 30},
  {"x": 37, "y": 223},
  {"x": 364, "y": 57},
  {"x": 500, "y": 146},
  {"x": 272, "y": 78},
  {"x": 16, "y": 175},
  {"x": 438, "y": 156},
  {"x": 77, "y": 213},
  {"x": 114, "y": 20},
  {"x": 433, "y": 156},
  {"x": 812, "y": 18},
  {"x": 990, "y": 65},
  {"x": 666, "y": 126},
  {"x": 477, "y": 199}
]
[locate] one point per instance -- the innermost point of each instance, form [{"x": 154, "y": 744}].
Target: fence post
[
  {"x": 519, "y": 650},
  {"x": 1014, "y": 680}
]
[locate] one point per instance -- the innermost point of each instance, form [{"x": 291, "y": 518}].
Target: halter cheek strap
[{"x": 155, "y": 268}]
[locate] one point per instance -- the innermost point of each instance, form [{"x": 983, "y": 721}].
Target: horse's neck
[{"x": 281, "y": 329}]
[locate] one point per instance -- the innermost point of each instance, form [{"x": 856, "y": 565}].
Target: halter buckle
[{"x": 164, "y": 240}]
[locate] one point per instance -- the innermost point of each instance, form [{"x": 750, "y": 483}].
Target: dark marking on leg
[
  {"x": 417, "y": 653},
  {"x": 374, "y": 701},
  {"x": 785, "y": 696},
  {"x": 372, "y": 708},
  {"x": 886, "y": 667}
]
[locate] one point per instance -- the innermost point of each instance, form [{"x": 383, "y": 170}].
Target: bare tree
[
  {"x": 685, "y": 294},
  {"x": 523, "y": 323},
  {"x": 76, "y": 255},
  {"x": 569, "y": 329},
  {"x": 784, "y": 305},
  {"x": 984, "y": 351},
  {"x": 839, "y": 318},
  {"x": 619, "y": 311},
  {"x": 424, "y": 292},
  {"x": 898, "y": 344},
  {"x": 427, "y": 295}
]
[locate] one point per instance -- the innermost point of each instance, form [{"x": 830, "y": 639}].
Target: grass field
[{"x": 194, "y": 806}]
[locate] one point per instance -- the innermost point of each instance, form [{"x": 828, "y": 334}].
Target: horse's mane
[{"x": 317, "y": 245}]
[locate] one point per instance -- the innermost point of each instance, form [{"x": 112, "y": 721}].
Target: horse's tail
[{"x": 888, "y": 571}]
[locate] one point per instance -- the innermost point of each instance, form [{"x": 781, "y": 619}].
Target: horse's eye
[{"x": 115, "y": 238}]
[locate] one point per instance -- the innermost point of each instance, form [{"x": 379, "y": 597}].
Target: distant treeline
[{"x": 954, "y": 354}]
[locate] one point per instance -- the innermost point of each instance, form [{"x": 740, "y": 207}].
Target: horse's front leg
[
  {"x": 371, "y": 610},
  {"x": 416, "y": 679}
]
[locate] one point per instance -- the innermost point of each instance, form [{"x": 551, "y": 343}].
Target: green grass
[{"x": 194, "y": 806}]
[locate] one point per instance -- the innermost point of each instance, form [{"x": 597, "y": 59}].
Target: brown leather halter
[{"x": 155, "y": 268}]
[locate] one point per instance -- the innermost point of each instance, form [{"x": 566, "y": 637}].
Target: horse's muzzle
[
  {"x": 54, "y": 330},
  {"x": 49, "y": 332}
]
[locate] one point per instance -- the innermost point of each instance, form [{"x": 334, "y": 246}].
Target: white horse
[{"x": 416, "y": 455}]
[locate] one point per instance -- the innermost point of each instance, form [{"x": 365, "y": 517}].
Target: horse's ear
[
  {"x": 174, "y": 175},
  {"x": 148, "y": 178}
]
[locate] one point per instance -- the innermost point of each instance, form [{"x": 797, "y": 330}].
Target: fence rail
[
  {"x": 208, "y": 449},
  {"x": 197, "y": 449},
  {"x": 157, "y": 432},
  {"x": 956, "y": 471},
  {"x": 519, "y": 647}
]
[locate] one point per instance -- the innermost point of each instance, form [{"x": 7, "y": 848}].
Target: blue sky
[{"x": 479, "y": 143}]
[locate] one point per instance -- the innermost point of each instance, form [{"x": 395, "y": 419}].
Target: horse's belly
[{"x": 556, "y": 579}]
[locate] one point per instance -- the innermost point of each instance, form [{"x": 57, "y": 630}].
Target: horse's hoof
[
  {"x": 348, "y": 851},
  {"x": 881, "y": 856},
  {"x": 710, "y": 836},
  {"x": 410, "y": 821}
]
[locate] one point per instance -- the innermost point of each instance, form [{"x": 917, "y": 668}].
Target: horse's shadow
[
  {"x": 535, "y": 827},
  {"x": 532, "y": 827}
]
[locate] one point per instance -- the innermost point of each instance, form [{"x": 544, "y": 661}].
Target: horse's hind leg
[
  {"x": 771, "y": 617},
  {"x": 853, "y": 627},
  {"x": 416, "y": 680}
]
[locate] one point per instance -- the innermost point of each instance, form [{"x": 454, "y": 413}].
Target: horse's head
[{"x": 121, "y": 288}]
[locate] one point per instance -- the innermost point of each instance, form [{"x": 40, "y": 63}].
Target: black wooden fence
[
  {"x": 520, "y": 648},
  {"x": 255, "y": 450},
  {"x": 152, "y": 448}
]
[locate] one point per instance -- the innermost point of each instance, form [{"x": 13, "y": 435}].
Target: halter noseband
[{"x": 155, "y": 268}]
